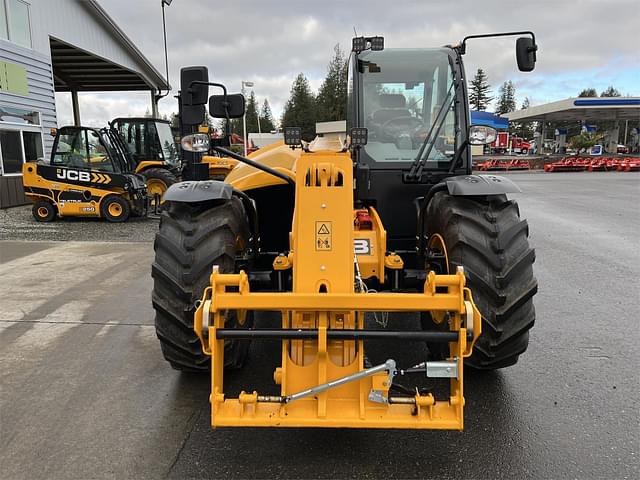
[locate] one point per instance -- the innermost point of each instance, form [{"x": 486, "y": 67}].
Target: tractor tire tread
[
  {"x": 487, "y": 237},
  {"x": 191, "y": 238}
]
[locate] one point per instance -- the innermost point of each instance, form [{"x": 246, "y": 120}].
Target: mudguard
[
  {"x": 202, "y": 191},
  {"x": 469, "y": 185}
]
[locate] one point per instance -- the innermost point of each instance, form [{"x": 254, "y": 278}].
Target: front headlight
[{"x": 197, "y": 142}]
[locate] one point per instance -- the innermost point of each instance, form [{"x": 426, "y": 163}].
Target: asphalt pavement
[{"x": 85, "y": 393}]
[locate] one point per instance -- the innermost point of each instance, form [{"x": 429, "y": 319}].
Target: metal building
[{"x": 49, "y": 46}]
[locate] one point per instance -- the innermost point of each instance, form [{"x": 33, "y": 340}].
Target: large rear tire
[
  {"x": 190, "y": 240},
  {"x": 158, "y": 180},
  {"x": 487, "y": 237}
]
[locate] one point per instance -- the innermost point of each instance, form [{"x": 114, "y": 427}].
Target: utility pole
[{"x": 244, "y": 117}]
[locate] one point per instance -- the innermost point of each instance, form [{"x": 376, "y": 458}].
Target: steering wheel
[{"x": 395, "y": 126}]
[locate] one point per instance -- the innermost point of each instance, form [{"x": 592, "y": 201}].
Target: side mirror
[
  {"x": 481, "y": 135},
  {"x": 192, "y": 114},
  {"x": 226, "y": 106},
  {"x": 526, "y": 54},
  {"x": 194, "y": 94}
]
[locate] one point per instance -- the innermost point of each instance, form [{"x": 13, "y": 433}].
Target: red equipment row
[
  {"x": 605, "y": 164},
  {"x": 514, "y": 164}
]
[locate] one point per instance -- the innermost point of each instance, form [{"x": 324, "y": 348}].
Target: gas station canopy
[
  {"x": 581, "y": 109},
  {"x": 489, "y": 119}
]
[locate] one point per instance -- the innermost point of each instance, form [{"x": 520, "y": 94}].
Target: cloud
[{"x": 582, "y": 44}]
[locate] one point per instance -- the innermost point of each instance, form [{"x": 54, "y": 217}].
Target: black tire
[
  {"x": 524, "y": 151},
  {"x": 487, "y": 237},
  {"x": 115, "y": 209},
  {"x": 162, "y": 177},
  {"x": 190, "y": 240},
  {"x": 44, "y": 211}
]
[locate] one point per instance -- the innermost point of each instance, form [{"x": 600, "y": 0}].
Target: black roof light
[
  {"x": 292, "y": 136},
  {"x": 360, "y": 44}
]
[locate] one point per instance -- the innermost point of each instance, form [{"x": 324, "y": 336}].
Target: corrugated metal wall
[
  {"x": 39, "y": 77},
  {"x": 41, "y": 98}
]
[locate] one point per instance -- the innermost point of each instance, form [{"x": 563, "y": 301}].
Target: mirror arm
[
  {"x": 463, "y": 44},
  {"x": 211, "y": 84}
]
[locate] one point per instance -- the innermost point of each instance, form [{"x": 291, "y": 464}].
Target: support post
[
  {"x": 75, "y": 105},
  {"x": 626, "y": 129},
  {"x": 543, "y": 137},
  {"x": 154, "y": 104},
  {"x": 612, "y": 137}
]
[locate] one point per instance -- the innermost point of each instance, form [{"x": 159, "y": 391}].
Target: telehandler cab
[
  {"x": 153, "y": 150},
  {"x": 386, "y": 219}
]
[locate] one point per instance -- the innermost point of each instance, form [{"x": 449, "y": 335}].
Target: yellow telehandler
[{"x": 385, "y": 218}]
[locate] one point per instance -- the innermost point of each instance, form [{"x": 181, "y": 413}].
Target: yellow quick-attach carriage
[{"x": 323, "y": 379}]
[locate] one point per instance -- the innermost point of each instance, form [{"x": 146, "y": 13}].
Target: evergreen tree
[
  {"x": 526, "y": 129},
  {"x": 506, "y": 98},
  {"x": 266, "y": 117},
  {"x": 252, "y": 114},
  {"x": 479, "y": 92},
  {"x": 175, "y": 120},
  {"x": 300, "y": 109},
  {"x": 332, "y": 95},
  {"x": 236, "y": 125},
  {"x": 610, "y": 92},
  {"x": 588, "y": 92}
]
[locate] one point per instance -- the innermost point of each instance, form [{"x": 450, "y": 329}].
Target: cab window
[
  {"x": 81, "y": 148},
  {"x": 141, "y": 138},
  {"x": 403, "y": 93}
]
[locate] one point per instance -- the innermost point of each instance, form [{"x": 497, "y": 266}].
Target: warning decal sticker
[{"x": 323, "y": 236}]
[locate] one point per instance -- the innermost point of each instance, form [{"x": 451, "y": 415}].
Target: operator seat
[{"x": 393, "y": 105}]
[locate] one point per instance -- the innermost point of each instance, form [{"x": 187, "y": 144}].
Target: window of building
[
  {"x": 18, "y": 115},
  {"x": 15, "y": 22},
  {"x": 32, "y": 146},
  {"x": 20, "y": 139},
  {"x": 11, "y": 151}
]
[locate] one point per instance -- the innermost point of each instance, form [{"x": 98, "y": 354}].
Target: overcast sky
[{"x": 582, "y": 43}]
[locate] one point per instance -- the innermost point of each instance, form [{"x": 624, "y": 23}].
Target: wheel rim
[
  {"x": 156, "y": 187},
  {"x": 115, "y": 209},
  {"x": 437, "y": 243},
  {"x": 43, "y": 211}
]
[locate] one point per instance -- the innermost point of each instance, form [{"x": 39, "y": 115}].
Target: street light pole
[
  {"x": 244, "y": 117},
  {"x": 166, "y": 57}
]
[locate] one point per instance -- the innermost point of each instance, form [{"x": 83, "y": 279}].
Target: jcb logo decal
[
  {"x": 80, "y": 176},
  {"x": 65, "y": 174},
  {"x": 100, "y": 178}
]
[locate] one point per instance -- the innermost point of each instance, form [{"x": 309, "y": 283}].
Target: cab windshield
[
  {"x": 167, "y": 143},
  {"x": 406, "y": 92}
]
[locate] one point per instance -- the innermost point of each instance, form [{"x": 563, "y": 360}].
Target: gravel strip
[{"x": 17, "y": 223}]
